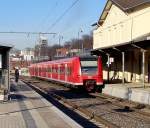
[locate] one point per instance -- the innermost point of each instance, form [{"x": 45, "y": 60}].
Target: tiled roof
[
  {"x": 129, "y": 4},
  {"x": 124, "y": 5}
]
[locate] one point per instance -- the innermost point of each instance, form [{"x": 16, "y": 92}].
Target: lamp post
[
  {"x": 60, "y": 37},
  {"x": 80, "y": 31}
]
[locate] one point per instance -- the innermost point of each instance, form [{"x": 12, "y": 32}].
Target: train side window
[
  {"x": 62, "y": 69},
  {"x": 58, "y": 69},
  {"x": 50, "y": 70},
  {"x": 70, "y": 70},
  {"x": 45, "y": 69},
  {"x": 54, "y": 70},
  {"x": 36, "y": 69}
]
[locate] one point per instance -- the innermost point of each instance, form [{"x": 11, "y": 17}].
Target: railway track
[
  {"x": 124, "y": 104},
  {"x": 109, "y": 111},
  {"x": 83, "y": 112}
]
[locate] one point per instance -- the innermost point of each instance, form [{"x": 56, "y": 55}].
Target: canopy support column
[
  {"x": 143, "y": 67},
  {"x": 123, "y": 68},
  {"x": 108, "y": 70}
]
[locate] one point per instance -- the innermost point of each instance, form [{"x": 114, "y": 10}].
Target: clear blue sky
[{"x": 39, "y": 16}]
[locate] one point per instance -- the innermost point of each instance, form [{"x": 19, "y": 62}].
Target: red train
[{"x": 80, "y": 71}]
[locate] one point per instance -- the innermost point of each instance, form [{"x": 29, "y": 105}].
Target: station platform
[
  {"x": 136, "y": 92},
  {"x": 27, "y": 109}
]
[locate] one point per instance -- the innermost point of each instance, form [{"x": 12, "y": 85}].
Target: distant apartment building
[
  {"x": 61, "y": 52},
  {"x": 27, "y": 54},
  {"x": 21, "y": 58}
]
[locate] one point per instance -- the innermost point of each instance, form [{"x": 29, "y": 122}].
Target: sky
[{"x": 53, "y": 16}]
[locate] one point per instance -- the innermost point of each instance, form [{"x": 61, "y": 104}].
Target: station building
[{"x": 122, "y": 38}]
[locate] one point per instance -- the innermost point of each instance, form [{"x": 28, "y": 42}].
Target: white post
[
  {"x": 123, "y": 68},
  {"x": 143, "y": 67},
  {"x": 108, "y": 67}
]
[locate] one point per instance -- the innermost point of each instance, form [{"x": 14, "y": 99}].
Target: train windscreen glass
[{"x": 89, "y": 66}]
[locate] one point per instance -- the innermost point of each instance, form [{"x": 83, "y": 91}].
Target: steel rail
[{"x": 116, "y": 101}]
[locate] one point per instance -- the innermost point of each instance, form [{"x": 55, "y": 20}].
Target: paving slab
[{"x": 27, "y": 109}]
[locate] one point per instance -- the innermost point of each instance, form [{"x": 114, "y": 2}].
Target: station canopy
[{"x": 142, "y": 42}]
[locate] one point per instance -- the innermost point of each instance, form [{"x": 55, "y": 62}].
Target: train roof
[
  {"x": 65, "y": 60},
  {"x": 72, "y": 58}
]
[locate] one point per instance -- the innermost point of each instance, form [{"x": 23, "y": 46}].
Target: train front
[{"x": 91, "y": 72}]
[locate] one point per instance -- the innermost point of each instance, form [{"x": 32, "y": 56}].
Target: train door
[
  {"x": 58, "y": 71},
  {"x": 38, "y": 70},
  {"x": 54, "y": 71},
  {"x": 34, "y": 70},
  {"x": 66, "y": 70},
  {"x": 46, "y": 66},
  {"x": 62, "y": 72},
  {"x": 51, "y": 71},
  {"x": 69, "y": 72},
  {"x": 42, "y": 70},
  {"x": 45, "y": 71}
]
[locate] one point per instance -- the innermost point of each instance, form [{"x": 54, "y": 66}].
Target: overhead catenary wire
[
  {"x": 43, "y": 21},
  {"x": 27, "y": 33},
  {"x": 63, "y": 14}
]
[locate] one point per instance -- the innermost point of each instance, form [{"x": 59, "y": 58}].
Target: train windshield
[{"x": 89, "y": 65}]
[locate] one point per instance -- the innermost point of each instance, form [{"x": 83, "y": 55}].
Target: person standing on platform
[{"x": 16, "y": 74}]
